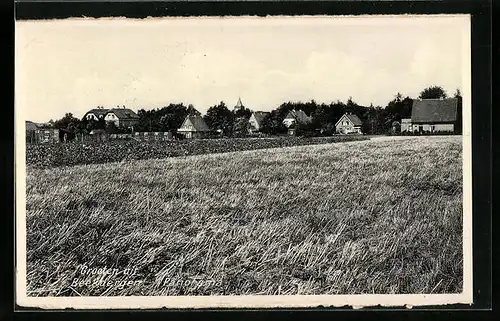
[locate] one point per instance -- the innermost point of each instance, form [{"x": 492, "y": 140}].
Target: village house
[
  {"x": 96, "y": 113},
  {"x": 123, "y": 117},
  {"x": 295, "y": 117},
  {"x": 256, "y": 121},
  {"x": 349, "y": 124},
  {"x": 434, "y": 115},
  {"x": 194, "y": 127}
]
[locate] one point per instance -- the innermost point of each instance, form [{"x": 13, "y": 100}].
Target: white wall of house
[
  {"x": 348, "y": 129},
  {"x": 187, "y": 126},
  {"x": 91, "y": 116},
  {"x": 345, "y": 126},
  {"x": 254, "y": 125},
  {"x": 288, "y": 122},
  {"x": 434, "y": 127},
  {"x": 111, "y": 117}
]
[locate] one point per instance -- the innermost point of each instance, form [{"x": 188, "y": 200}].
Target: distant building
[
  {"x": 123, "y": 117},
  {"x": 46, "y": 136},
  {"x": 194, "y": 127},
  {"x": 434, "y": 115},
  {"x": 349, "y": 124},
  {"x": 406, "y": 125},
  {"x": 96, "y": 114},
  {"x": 239, "y": 106},
  {"x": 295, "y": 117},
  {"x": 256, "y": 120}
]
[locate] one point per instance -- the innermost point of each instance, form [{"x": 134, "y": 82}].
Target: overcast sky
[{"x": 75, "y": 65}]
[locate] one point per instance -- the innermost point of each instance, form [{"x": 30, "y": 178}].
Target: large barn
[{"x": 435, "y": 115}]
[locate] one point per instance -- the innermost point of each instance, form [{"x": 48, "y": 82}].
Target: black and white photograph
[{"x": 260, "y": 162}]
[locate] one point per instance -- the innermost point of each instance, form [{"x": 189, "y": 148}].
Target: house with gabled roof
[
  {"x": 123, "y": 117},
  {"x": 96, "y": 113},
  {"x": 349, "y": 124},
  {"x": 194, "y": 127},
  {"x": 435, "y": 115},
  {"x": 256, "y": 120},
  {"x": 295, "y": 117}
]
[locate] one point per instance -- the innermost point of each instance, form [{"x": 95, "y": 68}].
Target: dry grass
[{"x": 361, "y": 217}]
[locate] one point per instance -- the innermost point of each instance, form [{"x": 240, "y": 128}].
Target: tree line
[{"x": 219, "y": 118}]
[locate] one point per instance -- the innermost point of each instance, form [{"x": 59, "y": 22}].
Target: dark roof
[
  {"x": 434, "y": 110},
  {"x": 198, "y": 123},
  {"x": 124, "y": 113},
  {"x": 299, "y": 115},
  {"x": 30, "y": 126},
  {"x": 98, "y": 111},
  {"x": 354, "y": 119},
  {"x": 260, "y": 115}
]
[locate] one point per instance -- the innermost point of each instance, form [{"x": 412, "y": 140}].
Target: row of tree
[{"x": 376, "y": 119}]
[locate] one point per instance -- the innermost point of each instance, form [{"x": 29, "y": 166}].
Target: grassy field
[{"x": 346, "y": 218}]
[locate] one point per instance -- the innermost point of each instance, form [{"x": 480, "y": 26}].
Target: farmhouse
[
  {"x": 96, "y": 113},
  {"x": 123, "y": 117},
  {"x": 256, "y": 120},
  {"x": 194, "y": 127},
  {"x": 295, "y": 117},
  {"x": 434, "y": 115},
  {"x": 349, "y": 124}
]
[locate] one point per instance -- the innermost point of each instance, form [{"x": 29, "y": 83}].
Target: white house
[
  {"x": 122, "y": 117},
  {"x": 256, "y": 120},
  {"x": 295, "y": 117},
  {"x": 349, "y": 124},
  {"x": 194, "y": 127}
]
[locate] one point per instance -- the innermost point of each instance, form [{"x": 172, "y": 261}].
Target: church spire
[{"x": 239, "y": 105}]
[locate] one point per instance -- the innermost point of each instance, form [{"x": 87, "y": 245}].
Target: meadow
[{"x": 347, "y": 218}]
